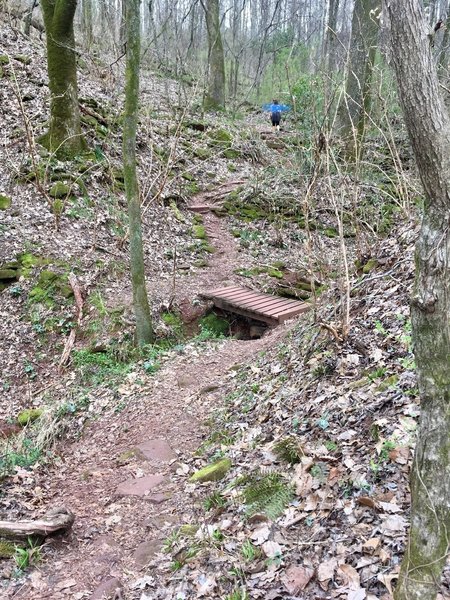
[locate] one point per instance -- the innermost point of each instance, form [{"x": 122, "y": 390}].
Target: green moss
[
  {"x": 188, "y": 176},
  {"x": 213, "y": 472},
  {"x": 199, "y": 232},
  {"x": 4, "y": 59},
  {"x": 230, "y": 153},
  {"x": 272, "y": 272},
  {"x": 202, "y": 153},
  {"x": 8, "y": 274},
  {"x": 28, "y": 415},
  {"x": 59, "y": 190},
  {"x": 208, "y": 248},
  {"x": 188, "y": 530},
  {"x": 5, "y": 202},
  {"x": 198, "y": 219},
  {"x": 216, "y": 325},
  {"x": 220, "y": 135},
  {"x": 330, "y": 232},
  {"x": 387, "y": 383},
  {"x": 7, "y": 549},
  {"x": 370, "y": 265},
  {"x": 48, "y": 286},
  {"x": 22, "y": 58}
]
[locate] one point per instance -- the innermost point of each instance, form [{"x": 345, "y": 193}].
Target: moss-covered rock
[
  {"x": 370, "y": 265},
  {"x": 5, "y": 202},
  {"x": 213, "y": 472},
  {"x": 59, "y": 190},
  {"x": 272, "y": 272},
  {"x": 6, "y": 274},
  {"x": 189, "y": 530},
  {"x": 29, "y": 415},
  {"x": 231, "y": 153},
  {"x": 23, "y": 58},
  {"x": 199, "y": 232},
  {"x": 7, "y": 548},
  {"x": 220, "y": 135},
  {"x": 202, "y": 153}
]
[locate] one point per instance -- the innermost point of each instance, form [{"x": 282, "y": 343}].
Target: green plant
[
  {"x": 27, "y": 556},
  {"x": 100, "y": 367},
  {"x": 214, "y": 500},
  {"x": 377, "y": 373},
  {"x": 387, "y": 446},
  {"x": 249, "y": 551},
  {"x": 238, "y": 594},
  {"x": 268, "y": 494},
  {"x": 171, "y": 541},
  {"x": 330, "y": 445},
  {"x": 379, "y": 328},
  {"x": 288, "y": 449}
]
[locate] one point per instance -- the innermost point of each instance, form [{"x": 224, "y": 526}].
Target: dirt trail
[{"x": 127, "y": 501}]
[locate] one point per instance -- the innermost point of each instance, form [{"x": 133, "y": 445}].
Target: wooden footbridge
[{"x": 272, "y": 310}]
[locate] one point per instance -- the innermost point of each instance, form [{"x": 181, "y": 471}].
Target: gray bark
[
  {"x": 215, "y": 93},
  {"x": 355, "y": 104},
  {"x": 428, "y": 125},
  {"x": 144, "y": 329}
]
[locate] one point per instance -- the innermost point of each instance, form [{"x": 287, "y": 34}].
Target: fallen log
[{"x": 57, "y": 520}]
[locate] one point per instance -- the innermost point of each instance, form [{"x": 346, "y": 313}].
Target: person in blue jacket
[{"x": 275, "y": 115}]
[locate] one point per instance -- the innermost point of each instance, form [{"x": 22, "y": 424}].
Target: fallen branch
[
  {"x": 57, "y": 520},
  {"x": 71, "y": 339}
]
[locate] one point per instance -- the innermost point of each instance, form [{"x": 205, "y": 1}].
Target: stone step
[{"x": 200, "y": 208}]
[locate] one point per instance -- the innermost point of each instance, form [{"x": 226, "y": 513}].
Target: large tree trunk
[
  {"x": 215, "y": 93},
  {"x": 144, "y": 330},
  {"x": 356, "y": 101},
  {"x": 428, "y": 125},
  {"x": 64, "y": 135}
]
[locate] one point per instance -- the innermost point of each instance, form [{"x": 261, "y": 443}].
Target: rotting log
[{"x": 57, "y": 520}]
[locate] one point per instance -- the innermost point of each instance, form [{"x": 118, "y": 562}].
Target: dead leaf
[
  {"x": 371, "y": 545},
  {"x": 367, "y": 501},
  {"x": 325, "y": 572},
  {"x": 349, "y": 577},
  {"x": 271, "y": 549},
  {"x": 296, "y": 578},
  {"x": 205, "y": 585},
  {"x": 387, "y": 578}
]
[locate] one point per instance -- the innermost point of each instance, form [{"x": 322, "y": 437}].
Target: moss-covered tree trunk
[
  {"x": 428, "y": 125},
  {"x": 64, "y": 134},
  {"x": 144, "y": 329},
  {"x": 215, "y": 92},
  {"x": 356, "y": 101}
]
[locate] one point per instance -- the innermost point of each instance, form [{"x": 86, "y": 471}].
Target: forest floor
[{"x": 318, "y": 430}]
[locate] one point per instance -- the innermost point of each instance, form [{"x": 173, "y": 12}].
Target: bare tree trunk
[
  {"x": 215, "y": 94},
  {"x": 428, "y": 125},
  {"x": 144, "y": 329},
  {"x": 64, "y": 135},
  {"x": 356, "y": 101}
]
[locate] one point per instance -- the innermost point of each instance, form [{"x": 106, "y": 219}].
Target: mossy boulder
[
  {"x": 202, "y": 153},
  {"x": 59, "y": 190},
  {"x": 213, "y": 472},
  {"x": 199, "y": 232},
  {"x": 23, "y": 58},
  {"x": 220, "y": 135},
  {"x": 272, "y": 272},
  {"x": 29, "y": 415},
  {"x": 370, "y": 265},
  {"x": 7, "y": 548},
  {"x": 189, "y": 530},
  {"x": 5, "y": 202},
  {"x": 6, "y": 274},
  {"x": 230, "y": 153}
]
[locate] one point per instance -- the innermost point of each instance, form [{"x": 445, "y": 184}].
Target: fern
[
  {"x": 288, "y": 449},
  {"x": 268, "y": 494}
]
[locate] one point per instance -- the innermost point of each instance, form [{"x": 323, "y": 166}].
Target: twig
[{"x": 71, "y": 339}]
